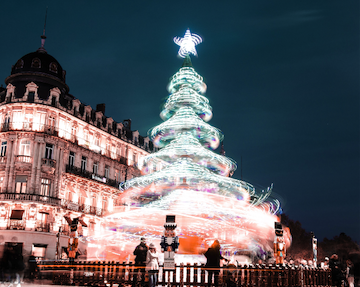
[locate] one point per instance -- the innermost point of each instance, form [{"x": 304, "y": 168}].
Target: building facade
[{"x": 58, "y": 157}]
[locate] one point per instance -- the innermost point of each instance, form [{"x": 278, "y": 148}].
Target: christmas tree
[{"x": 185, "y": 177}]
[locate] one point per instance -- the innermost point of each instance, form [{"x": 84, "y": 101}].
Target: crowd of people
[
  {"x": 342, "y": 274},
  {"x": 13, "y": 267}
]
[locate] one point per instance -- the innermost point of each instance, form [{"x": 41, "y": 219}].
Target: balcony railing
[
  {"x": 2, "y": 159},
  {"x": 42, "y": 226},
  {"x": 84, "y": 173},
  {"x": 16, "y": 224},
  {"x": 24, "y": 158},
  {"x": 48, "y": 162},
  {"x": 84, "y": 208},
  {"x": 70, "y": 136},
  {"x": 30, "y": 197}
]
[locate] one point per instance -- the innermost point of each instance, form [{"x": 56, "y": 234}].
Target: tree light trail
[{"x": 193, "y": 183}]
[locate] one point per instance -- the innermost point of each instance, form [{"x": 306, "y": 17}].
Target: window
[
  {"x": 86, "y": 134},
  {"x": 24, "y": 147},
  {"x": 45, "y": 187},
  {"x": 36, "y": 63},
  {"x": 43, "y": 217},
  {"x": 71, "y": 159},
  {"x": 3, "y": 148},
  {"x": 52, "y": 122},
  {"x": 53, "y": 67},
  {"x": 104, "y": 204},
  {"x": 31, "y": 96},
  {"x": 39, "y": 251},
  {"x": 117, "y": 175},
  {"x": 107, "y": 171},
  {"x": 18, "y": 120},
  {"x": 49, "y": 149},
  {"x": 16, "y": 214},
  {"x": 20, "y": 183},
  {"x": 94, "y": 200},
  {"x": 19, "y": 64},
  {"x": 7, "y": 120},
  {"x": 95, "y": 167},
  {"x": 83, "y": 163}
]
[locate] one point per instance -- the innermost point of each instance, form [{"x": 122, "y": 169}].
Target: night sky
[{"x": 282, "y": 77}]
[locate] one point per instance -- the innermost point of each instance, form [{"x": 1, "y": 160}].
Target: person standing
[
  {"x": 152, "y": 265},
  {"x": 350, "y": 273},
  {"x": 336, "y": 273},
  {"x": 213, "y": 257},
  {"x": 33, "y": 267},
  {"x": 140, "y": 253}
]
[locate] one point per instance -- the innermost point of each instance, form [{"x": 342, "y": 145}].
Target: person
[
  {"x": 152, "y": 265},
  {"x": 336, "y": 273},
  {"x": 140, "y": 253},
  {"x": 33, "y": 267},
  {"x": 350, "y": 273},
  {"x": 212, "y": 265}
]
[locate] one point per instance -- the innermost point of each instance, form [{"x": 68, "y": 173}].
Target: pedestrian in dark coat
[
  {"x": 212, "y": 265},
  {"x": 336, "y": 272},
  {"x": 140, "y": 261},
  {"x": 33, "y": 267}
]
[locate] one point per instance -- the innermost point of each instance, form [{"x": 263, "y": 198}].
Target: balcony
[
  {"x": 78, "y": 171},
  {"x": 84, "y": 173},
  {"x": 84, "y": 208},
  {"x": 42, "y": 226},
  {"x": 30, "y": 197},
  {"x": 2, "y": 159},
  {"x": 24, "y": 158},
  {"x": 48, "y": 165},
  {"x": 16, "y": 224}
]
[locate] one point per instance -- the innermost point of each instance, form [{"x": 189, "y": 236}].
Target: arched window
[
  {"x": 53, "y": 67},
  {"x": 36, "y": 63},
  {"x": 19, "y": 64}
]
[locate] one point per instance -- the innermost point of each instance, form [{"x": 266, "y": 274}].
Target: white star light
[{"x": 188, "y": 43}]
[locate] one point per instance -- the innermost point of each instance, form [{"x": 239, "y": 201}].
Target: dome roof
[
  {"x": 39, "y": 62},
  {"x": 41, "y": 65}
]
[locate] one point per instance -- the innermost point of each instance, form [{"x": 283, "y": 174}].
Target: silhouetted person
[
  {"x": 212, "y": 265},
  {"x": 336, "y": 272},
  {"x": 140, "y": 261},
  {"x": 33, "y": 267}
]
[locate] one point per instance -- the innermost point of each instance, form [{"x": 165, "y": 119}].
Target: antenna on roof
[{"x": 43, "y": 37}]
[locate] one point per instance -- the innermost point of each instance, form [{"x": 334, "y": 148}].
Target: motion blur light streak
[{"x": 194, "y": 183}]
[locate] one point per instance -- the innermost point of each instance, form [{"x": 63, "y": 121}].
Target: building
[{"x": 57, "y": 157}]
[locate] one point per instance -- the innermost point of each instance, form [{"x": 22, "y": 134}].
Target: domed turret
[{"x": 41, "y": 67}]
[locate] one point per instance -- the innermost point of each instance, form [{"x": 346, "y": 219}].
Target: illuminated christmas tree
[{"x": 185, "y": 177}]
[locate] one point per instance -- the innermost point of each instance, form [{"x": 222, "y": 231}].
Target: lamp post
[{"x": 314, "y": 248}]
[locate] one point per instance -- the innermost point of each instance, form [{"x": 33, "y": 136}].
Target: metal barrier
[{"x": 101, "y": 273}]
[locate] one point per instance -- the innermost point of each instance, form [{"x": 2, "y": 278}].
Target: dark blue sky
[{"x": 282, "y": 76}]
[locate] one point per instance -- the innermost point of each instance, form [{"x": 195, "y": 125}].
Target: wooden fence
[{"x": 99, "y": 273}]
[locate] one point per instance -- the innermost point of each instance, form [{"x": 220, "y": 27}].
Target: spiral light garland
[{"x": 193, "y": 182}]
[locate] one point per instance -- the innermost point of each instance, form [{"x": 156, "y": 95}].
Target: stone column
[
  {"x": 35, "y": 154},
  {"x": 38, "y": 167},
  {"x": 58, "y": 172},
  {"x": 10, "y": 187},
  {"x": 9, "y": 155}
]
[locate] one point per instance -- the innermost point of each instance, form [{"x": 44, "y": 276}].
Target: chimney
[{"x": 100, "y": 108}]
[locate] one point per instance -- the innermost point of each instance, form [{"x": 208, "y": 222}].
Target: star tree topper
[{"x": 188, "y": 43}]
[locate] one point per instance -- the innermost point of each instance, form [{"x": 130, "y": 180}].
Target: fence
[{"x": 99, "y": 273}]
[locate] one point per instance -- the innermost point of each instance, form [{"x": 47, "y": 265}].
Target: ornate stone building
[{"x": 57, "y": 157}]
